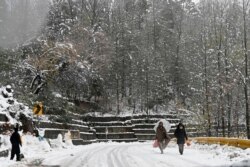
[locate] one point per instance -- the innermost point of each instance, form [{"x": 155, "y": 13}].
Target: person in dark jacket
[
  {"x": 15, "y": 140},
  {"x": 162, "y": 137},
  {"x": 180, "y": 134}
]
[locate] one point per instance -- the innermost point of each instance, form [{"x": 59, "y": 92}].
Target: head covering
[
  {"x": 179, "y": 125},
  {"x": 16, "y": 129}
]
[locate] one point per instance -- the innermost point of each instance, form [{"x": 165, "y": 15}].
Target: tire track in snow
[
  {"x": 132, "y": 155},
  {"x": 83, "y": 157},
  {"x": 119, "y": 155},
  {"x": 107, "y": 155},
  {"x": 111, "y": 153},
  {"x": 112, "y": 160},
  {"x": 96, "y": 156},
  {"x": 145, "y": 158}
]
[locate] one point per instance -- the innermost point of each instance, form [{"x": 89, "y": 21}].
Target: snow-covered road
[
  {"x": 132, "y": 155},
  {"x": 39, "y": 153}
]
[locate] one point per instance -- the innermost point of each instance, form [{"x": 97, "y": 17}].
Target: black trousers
[
  {"x": 181, "y": 148},
  {"x": 15, "y": 151}
]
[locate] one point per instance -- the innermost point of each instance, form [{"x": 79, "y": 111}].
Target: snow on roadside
[
  {"x": 9, "y": 106},
  {"x": 35, "y": 150},
  {"x": 231, "y": 154}
]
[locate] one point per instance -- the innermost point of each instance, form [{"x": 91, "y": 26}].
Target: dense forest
[{"x": 141, "y": 55}]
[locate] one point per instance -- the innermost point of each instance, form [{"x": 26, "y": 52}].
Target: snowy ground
[{"x": 124, "y": 155}]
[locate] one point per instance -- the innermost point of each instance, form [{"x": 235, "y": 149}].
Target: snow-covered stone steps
[
  {"x": 149, "y": 131},
  {"x": 126, "y": 118},
  {"x": 114, "y": 136},
  {"x": 145, "y": 137},
  {"x": 154, "y": 120},
  {"x": 113, "y": 129},
  {"x": 119, "y": 140},
  {"x": 112, "y": 123},
  {"x": 52, "y": 129},
  {"x": 82, "y": 142},
  {"x": 124, "y": 128},
  {"x": 78, "y": 142},
  {"x": 149, "y": 125},
  {"x": 56, "y": 125},
  {"x": 115, "y": 133},
  {"x": 105, "y": 119},
  {"x": 145, "y": 131},
  {"x": 79, "y": 122},
  {"x": 53, "y": 133},
  {"x": 143, "y": 126},
  {"x": 142, "y": 130},
  {"x": 120, "y": 131},
  {"x": 87, "y": 136},
  {"x": 157, "y": 116},
  {"x": 93, "y": 119}
]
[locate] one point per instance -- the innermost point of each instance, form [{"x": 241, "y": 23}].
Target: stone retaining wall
[{"x": 53, "y": 133}]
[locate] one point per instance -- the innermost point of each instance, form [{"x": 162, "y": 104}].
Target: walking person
[
  {"x": 15, "y": 140},
  {"x": 162, "y": 137},
  {"x": 180, "y": 134}
]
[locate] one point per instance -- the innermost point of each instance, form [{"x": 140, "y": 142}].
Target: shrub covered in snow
[
  {"x": 58, "y": 142},
  {"x": 15, "y": 112}
]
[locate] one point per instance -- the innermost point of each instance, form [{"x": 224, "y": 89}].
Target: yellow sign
[{"x": 38, "y": 109}]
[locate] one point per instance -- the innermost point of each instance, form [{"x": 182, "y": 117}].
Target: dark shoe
[{"x": 21, "y": 156}]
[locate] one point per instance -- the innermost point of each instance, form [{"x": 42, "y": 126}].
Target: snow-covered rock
[
  {"x": 58, "y": 142},
  {"x": 5, "y": 142},
  {"x": 10, "y": 107}
]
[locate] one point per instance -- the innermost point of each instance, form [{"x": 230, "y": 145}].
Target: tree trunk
[
  {"x": 117, "y": 95},
  {"x": 236, "y": 116},
  {"x": 206, "y": 109},
  {"x": 246, "y": 69}
]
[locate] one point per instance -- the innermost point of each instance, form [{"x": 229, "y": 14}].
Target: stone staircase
[
  {"x": 131, "y": 128},
  {"x": 143, "y": 125},
  {"x": 80, "y": 134},
  {"x": 89, "y": 129},
  {"x": 118, "y": 129}
]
